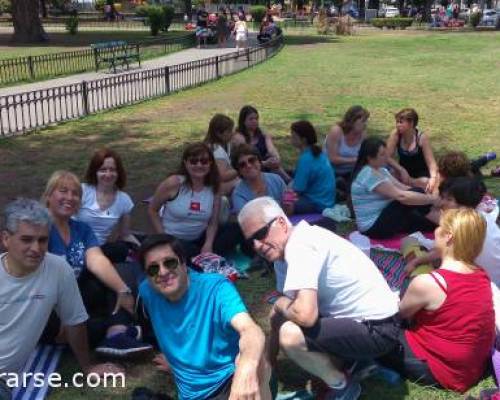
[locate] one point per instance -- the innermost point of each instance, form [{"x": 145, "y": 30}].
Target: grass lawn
[{"x": 450, "y": 79}]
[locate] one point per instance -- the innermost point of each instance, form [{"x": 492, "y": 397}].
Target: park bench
[{"x": 114, "y": 53}]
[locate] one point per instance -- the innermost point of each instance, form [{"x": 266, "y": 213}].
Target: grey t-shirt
[{"x": 26, "y": 304}]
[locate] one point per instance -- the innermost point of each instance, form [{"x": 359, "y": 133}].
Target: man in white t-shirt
[
  {"x": 33, "y": 283},
  {"x": 336, "y": 305}
]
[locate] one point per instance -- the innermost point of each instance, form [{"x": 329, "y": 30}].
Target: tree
[{"x": 27, "y": 23}]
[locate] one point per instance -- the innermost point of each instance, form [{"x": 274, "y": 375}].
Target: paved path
[
  {"x": 39, "y": 104},
  {"x": 179, "y": 57}
]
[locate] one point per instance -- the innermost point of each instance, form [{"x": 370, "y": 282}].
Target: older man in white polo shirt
[{"x": 336, "y": 305}]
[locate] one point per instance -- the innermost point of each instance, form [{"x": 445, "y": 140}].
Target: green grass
[{"x": 451, "y": 79}]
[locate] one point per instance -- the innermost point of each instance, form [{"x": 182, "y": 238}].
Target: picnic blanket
[{"x": 44, "y": 359}]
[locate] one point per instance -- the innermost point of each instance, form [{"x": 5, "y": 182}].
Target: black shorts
[
  {"x": 404, "y": 361},
  {"x": 348, "y": 339},
  {"x": 223, "y": 392}
]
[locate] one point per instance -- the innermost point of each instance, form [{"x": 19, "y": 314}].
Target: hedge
[{"x": 393, "y": 23}]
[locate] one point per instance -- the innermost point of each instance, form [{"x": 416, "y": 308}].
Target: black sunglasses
[
  {"x": 261, "y": 234},
  {"x": 169, "y": 263},
  {"x": 198, "y": 160},
  {"x": 249, "y": 161}
]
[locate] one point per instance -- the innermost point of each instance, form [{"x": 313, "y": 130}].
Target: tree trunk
[{"x": 27, "y": 24}]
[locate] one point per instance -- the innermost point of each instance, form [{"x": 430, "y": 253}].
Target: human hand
[
  {"x": 431, "y": 184},
  {"x": 245, "y": 385},
  {"x": 125, "y": 301},
  {"x": 411, "y": 265},
  {"x": 207, "y": 248},
  {"x": 271, "y": 163},
  {"x": 161, "y": 363}
]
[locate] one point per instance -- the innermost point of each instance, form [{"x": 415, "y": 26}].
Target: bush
[
  {"x": 258, "y": 13},
  {"x": 156, "y": 19},
  {"x": 5, "y": 6},
  {"x": 393, "y": 23},
  {"x": 72, "y": 24},
  {"x": 475, "y": 19},
  {"x": 99, "y": 4},
  {"x": 141, "y": 11},
  {"x": 168, "y": 16}
]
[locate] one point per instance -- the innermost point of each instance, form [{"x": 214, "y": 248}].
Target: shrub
[
  {"x": 72, "y": 24},
  {"x": 5, "y": 6},
  {"x": 258, "y": 13},
  {"x": 156, "y": 19},
  {"x": 141, "y": 11},
  {"x": 393, "y": 23},
  {"x": 99, "y": 4},
  {"x": 168, "y": 16},
  {"x": 475, "y": 19}
]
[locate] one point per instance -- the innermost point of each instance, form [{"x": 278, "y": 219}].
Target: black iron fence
[
  {"x": 23, "y": 112},
  {"x": 72, "y": 62}
]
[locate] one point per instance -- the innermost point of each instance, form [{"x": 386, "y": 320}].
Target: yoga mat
[
  {"x": 391, "y": 264},
  {"x": 43, "y": 359},
  {"x": 295, "y": 219}
]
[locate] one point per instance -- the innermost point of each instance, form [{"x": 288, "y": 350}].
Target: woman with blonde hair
[
  {"x": 107, "y": 298},
  {"x": 452, "y": 321}
]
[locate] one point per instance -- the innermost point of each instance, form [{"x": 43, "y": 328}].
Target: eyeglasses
[
  {"x": 198, "y": 160},
  {"x": 249, "y": 161},
  {"x": 169, "y": 263},
  {"x": 261, "y": 234}
]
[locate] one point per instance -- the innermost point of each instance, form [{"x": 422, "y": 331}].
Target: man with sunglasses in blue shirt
[
  {"x": 202, "y": 326},
  {"x": 336, "y": 305}
]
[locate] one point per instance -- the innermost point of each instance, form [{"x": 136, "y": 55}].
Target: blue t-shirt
[
  {"x": 242, "y": 193},
  {"x": 82, "y": 238},
  {"x": 368, "y": 204},
  {"x": 195, "y": 333},
  {"x": 314, "y": 179}
]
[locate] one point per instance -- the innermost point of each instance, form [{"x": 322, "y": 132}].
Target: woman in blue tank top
[{"x": 417, "y": 166}]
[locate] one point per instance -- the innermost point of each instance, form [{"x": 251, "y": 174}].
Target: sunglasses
[
  {"x": 198, "y": 160},
  {"x": 249, "y": 161},
  {"x": 169, "y": 263},
  {"x": 261, "y": 234}
]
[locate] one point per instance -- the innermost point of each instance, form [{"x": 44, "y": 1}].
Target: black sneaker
[
  {"x": 360, "y": 370},
  {"x": 122, "y": 345}
]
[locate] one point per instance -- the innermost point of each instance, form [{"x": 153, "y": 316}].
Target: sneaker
[
  {"x": 122, "y": 345},
  {"x": 352, "y": 391},
  {"x": 361, "y": 370},
  {"x": 134, "y": 331}
]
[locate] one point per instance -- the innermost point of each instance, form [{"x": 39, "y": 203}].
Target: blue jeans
[{"x": 305, "y": 206}]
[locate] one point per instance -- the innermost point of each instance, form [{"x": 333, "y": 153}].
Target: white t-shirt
[
  {"x": 221, "y": 154},
  {"x": 489, "y": 258},
  {"x": 349, "y": 285},
  {"x": 26, "y": 304},
  {"x": 101, "y": 221}
]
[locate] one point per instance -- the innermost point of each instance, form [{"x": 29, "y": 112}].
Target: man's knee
[{"x": 291, "y": 337}]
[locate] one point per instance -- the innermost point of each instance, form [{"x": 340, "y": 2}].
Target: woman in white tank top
[{"x": 186, "y": 205}]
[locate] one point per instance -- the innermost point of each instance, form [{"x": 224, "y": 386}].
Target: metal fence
[
  {"x": 72, "y": 62},
  {"x": 23, "y": 112}
]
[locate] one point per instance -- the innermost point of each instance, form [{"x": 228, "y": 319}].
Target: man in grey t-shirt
[{"x": 33, "y": 284}]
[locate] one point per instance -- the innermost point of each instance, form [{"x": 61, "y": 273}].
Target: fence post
[
  {"x": 30, "y": 66},
  {"x": 217, "y": 67},
  {"x": 85, "y": 98},
  {"x": 248, "y": 56},
  {"x": 95, "y": 60},
  {"x": 167, "y": 79}
]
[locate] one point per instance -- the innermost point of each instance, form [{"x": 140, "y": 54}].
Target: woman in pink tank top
[{"x": 451, "y": 315}]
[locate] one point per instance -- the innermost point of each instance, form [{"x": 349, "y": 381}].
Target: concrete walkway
[{"x": 179, "y": 57}]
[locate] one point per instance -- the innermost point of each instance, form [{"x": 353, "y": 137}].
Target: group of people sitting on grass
[{"x": 72, "y": 272}]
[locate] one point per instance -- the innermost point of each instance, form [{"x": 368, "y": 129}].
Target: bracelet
[{"x": 125, "y": 291}]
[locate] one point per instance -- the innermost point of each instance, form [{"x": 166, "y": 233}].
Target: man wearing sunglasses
[
  {"x": 202, "y": 327},
  {"x": 336, "y": 305}
]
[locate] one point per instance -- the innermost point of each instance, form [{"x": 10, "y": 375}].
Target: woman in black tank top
[{"x": 417, "y": 166}]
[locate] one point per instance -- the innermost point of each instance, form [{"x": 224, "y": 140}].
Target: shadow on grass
[{"x": 298, "y": 40}]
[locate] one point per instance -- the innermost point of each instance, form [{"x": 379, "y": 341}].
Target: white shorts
[{"x": 241, "y": 36}]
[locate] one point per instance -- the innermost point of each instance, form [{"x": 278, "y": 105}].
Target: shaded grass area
[{"x": 451, "y": 80}]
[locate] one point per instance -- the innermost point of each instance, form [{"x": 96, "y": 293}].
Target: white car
[
  {"x": 490, "y": 17},
  {"x": 389, "y": 12}
]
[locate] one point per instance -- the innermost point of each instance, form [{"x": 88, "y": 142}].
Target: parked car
[
  {"x": 389, "y": 12},
  {"x": 490, "y": 17}
]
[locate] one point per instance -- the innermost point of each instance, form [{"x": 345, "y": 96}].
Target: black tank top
[{"x": 413, "y": 161}]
